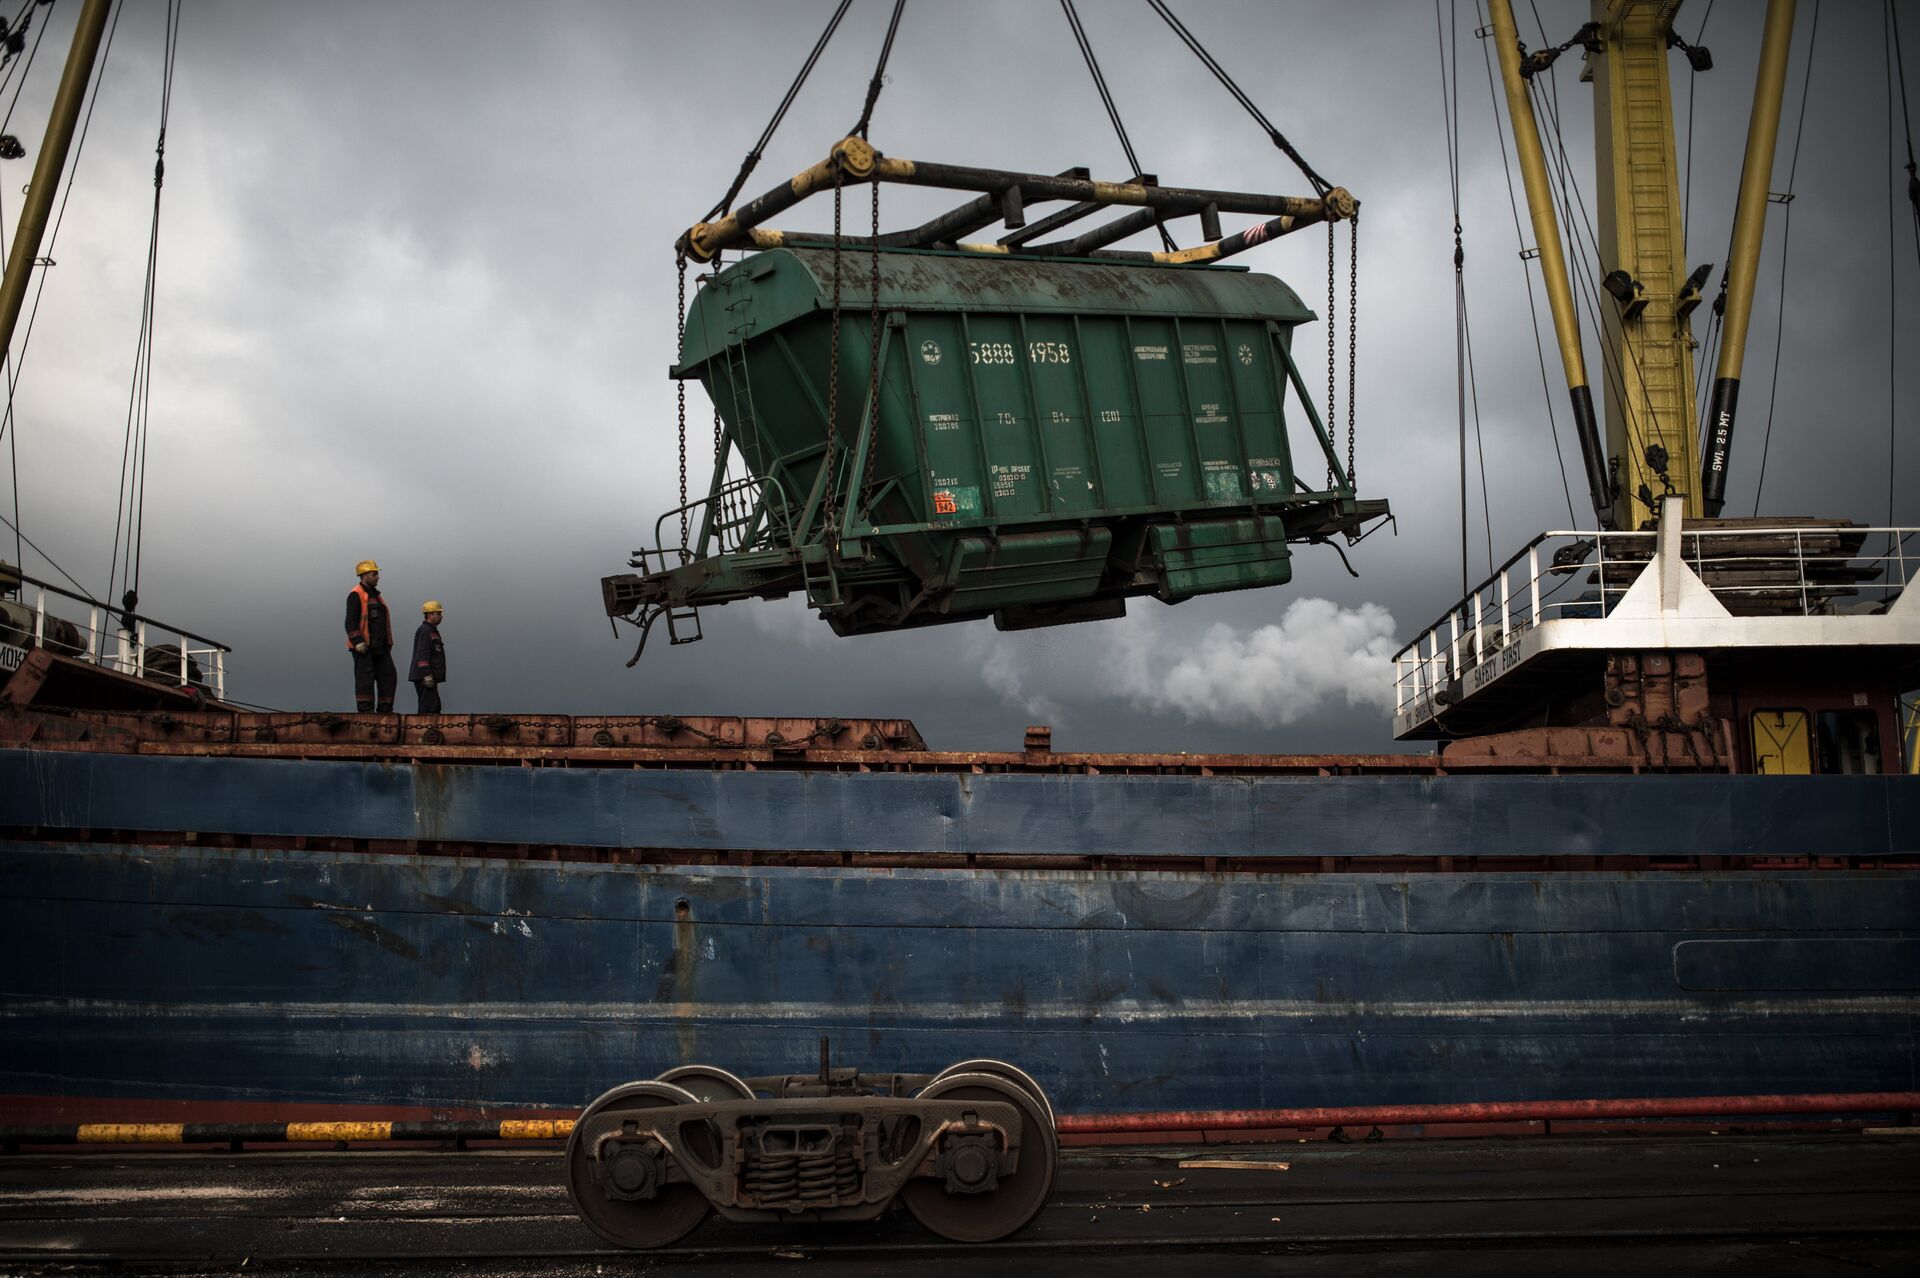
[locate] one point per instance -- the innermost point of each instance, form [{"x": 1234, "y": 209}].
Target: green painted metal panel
[
  {"x": 1050, "y": 434},
  {"x": 1221, "y": 554}
]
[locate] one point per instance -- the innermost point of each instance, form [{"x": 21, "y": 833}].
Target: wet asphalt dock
[{"x": 1674, "y": 1204}]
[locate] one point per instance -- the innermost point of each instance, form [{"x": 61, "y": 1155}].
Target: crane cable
[
  {"x": 17, "y": 31},
  {"x": 15, "y": 365},
  {"x": 1465, "y": 381},
  {"x": 754, "y": 153},
  {"x": 1786, "y": 235},
  {"x": 1113, "y": 112},
  {"x": 1891, "y": 20},
  {"x": 1615, "y": 361},
  {"x": 133, "y": 457},
  {"x": 859, "y": 486},
  {"x": 1686, "y": 188},
  {"x": 1533, "y": 313},
  {"x": 747, "y": 166},
  {"x": 1320, "y": 185},
  {"x": 1321, "y": 188},
  {"x": 879, "y": 80}
]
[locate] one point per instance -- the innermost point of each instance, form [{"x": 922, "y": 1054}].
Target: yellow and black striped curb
[{"x": 333, "y": 1132}]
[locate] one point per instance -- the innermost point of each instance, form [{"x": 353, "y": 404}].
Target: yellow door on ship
[{"x": 1780, "y": 742}]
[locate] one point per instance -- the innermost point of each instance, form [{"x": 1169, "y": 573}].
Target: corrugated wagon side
[{"x": 1045, "y": 439}]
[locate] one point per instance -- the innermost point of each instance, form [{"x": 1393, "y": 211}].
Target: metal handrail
[
  {"x": 133, "y": 630},
  {"x": 749, "y": 482},
  {"x": 1438, "y": 646}
]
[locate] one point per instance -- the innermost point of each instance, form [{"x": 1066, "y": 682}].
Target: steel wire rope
[
  {"x": 1571, "y": 194},
  {"x": 879, "y": 80},
  {"x": 1533, "y": 313},
  {"x": 1579, "y": 279},
  {"x": 1447, "y": 37},
  {"x": 1701, "y": 384},
  {"x": 1320, "y": 185},
  {"x": 1708, "y": 358},
  {"x": 1891, "y": 23},
  {"x": 754, "y": 154},
  {"x": 140, "y": 396},
  {"x": 1581, "y": 233},
  {"x": 747, "y": 166},
  {"x": 25, "y": 66},
  {"x": 1786, "y": 237},
  {"x": 1106, "y": 100},
  {"x": 1615, "y": 361},
  {"x": 22, "y": 65},
  {"x": 15, "y": 365},
  {"x": 44, "y": 555},
  {"x": 1686, "y": 197},
  {"x": 21, "y": 21}
]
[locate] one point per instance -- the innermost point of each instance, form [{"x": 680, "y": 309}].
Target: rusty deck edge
[{"x": 226, "y": 736}]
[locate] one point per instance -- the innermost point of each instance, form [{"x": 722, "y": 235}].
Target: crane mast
[
  {"x": 1651, "y": 447},
  {"x": 1651, "y": 425}
]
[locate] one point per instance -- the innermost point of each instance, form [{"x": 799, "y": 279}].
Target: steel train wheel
[
  {"x": 1009, "y": 1207},
  {"x": 708, "y": 1082},
  {"x": 674, "y": 1213},
  {"x": 1011, "y": 1072}
]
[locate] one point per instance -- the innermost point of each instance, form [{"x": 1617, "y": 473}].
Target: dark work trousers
[
  {"x": 429, "y": 698},
  {"x": 375, "y": 666}
]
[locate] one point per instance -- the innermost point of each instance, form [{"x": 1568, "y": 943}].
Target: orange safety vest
[{"x": 361, "y": 635}]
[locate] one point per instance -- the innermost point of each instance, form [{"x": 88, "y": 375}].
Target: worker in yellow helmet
[
  {"x": 429, "y": 669},
  {"x": 370, "y": 642}
]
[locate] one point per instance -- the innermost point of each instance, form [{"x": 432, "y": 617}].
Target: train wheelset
[{"x": 970, "y": 1152}]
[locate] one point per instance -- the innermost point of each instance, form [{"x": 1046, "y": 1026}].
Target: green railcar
[{"x": 1051, "y": 438}]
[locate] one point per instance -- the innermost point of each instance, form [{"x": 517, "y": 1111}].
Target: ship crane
[{"x": 1670, "y": 636}]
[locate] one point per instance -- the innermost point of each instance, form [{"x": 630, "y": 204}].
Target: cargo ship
[{"x": 1664, "y": 848}]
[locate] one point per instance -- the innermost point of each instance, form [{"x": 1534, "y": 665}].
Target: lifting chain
[
  {"x": 1353, "y": 334},
  {"x": 833, "y": 369},
  {"x": 1331, "y": 277},
  {"x": 680, "y": 391},
  {"x": 873, "y": 363}
]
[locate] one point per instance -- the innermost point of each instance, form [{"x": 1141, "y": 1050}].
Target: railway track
[{"x": 1777, "y": 1203}]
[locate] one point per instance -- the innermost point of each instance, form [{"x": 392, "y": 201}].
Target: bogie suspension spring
[{"x": 820, "y": 1180}]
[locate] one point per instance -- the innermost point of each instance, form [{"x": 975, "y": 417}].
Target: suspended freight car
[{"x": 1047, "y": 437}]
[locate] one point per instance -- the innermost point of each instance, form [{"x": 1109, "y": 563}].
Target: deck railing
[
  {"x": 111, "y": 638},
  {"x": 1791, "y": 570}
]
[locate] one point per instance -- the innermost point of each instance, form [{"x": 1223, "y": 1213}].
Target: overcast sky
[{"x": 416, "y": 303}]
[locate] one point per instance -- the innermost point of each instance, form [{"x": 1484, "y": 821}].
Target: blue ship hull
[{"x": 148, "y": 970}]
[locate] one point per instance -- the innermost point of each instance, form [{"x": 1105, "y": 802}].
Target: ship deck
[{"x": 1799, "y": 1203}]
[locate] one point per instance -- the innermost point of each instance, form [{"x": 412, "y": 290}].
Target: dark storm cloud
[{"x": 417, "y": 303}]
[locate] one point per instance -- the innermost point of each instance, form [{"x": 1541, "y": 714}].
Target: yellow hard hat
[
  {"x": 431, "y": 605},
  {"x": 364, "y": 567}
]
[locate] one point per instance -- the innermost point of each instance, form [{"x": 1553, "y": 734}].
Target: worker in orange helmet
[
  {"x": 370, "y": 641},
  {"x": 429, "y": 668}
]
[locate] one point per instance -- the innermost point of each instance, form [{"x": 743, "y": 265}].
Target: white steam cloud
[{"x": 1318, "y": 654}]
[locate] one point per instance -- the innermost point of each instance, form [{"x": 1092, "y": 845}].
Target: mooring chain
[
  {"x": 873, "y": 364},
  {"x": 680, "y": 391},
  {"x": 1353, "y": 334},
  {"x": 833, "y": 369},
  {"x": 1331, "y": 277}
]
